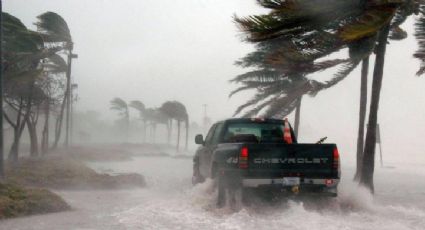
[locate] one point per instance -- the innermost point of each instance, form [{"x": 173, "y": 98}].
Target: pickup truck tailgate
[{"x": 304, "y": 160}]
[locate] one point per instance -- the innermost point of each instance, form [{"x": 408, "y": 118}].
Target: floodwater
[{"x": 171, "y": 202}]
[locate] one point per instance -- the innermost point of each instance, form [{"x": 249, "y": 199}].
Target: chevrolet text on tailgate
[{"x": 263, "y": 154}]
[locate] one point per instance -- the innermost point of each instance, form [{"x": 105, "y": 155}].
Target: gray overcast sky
[{"x": 184, "y": 50}]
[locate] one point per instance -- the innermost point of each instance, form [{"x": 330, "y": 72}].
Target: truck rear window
[{"x": 253, "y": 132}]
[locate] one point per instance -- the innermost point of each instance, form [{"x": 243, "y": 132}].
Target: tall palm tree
[
  {"x": 121, "y": 107},
  {"x": 55, "y": 30},
  {"x": 362, "y": 116},
  {"x": 152, "y": 117},
  {"x": 22, "y": 52},
  {"x": 149, "y": 121},
  {"x": 368, "y": 163},
  {"x": 140, "y": 107},
  {"x": 177, "y": 111},
  {"x": 408, "y": 8},
  {"x": 346, "y": 22}
]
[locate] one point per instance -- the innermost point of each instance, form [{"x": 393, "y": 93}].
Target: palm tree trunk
[
  {"x": 45, "y": 133},
  {"x": 187, "y": 134},
  {"x": 171, "y": 130},
  {"x": 144, "y": 131},
  {"x": 154, "y": 132},
  {"x": 362, "y": 116},
  {"x": 178, "y": 136},
  {"x": 59, "y": 119},
  {"x": 19, "y": 128},
  {"x": 368, "y": 166},
  {"x": 32, "y": 130},
  {"x": 168, "y": 131},
  {"x": 127, "y": 125},
  {"x": 297, "y": 118},
  {"x": 14, "y": 149},
  {"x": 69, "y": 98},
  {"x": 1, "y": 103}
]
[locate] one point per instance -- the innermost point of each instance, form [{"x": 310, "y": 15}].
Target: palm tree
[
  {"x": 396, "y": 33},
  {"x": 23, "y": 50},
  {"x": 368, "y": 162},
  {"x": 347, "y": 22},
  {"x": 153, "y": 117},
  {"x": 168, "y": 109},
  {"x": 177, "y": 111},
  {"x": 55, "y": 30},
  {"x": 121, "y": 107},
  {"x": 140, "y": 107},
  {"x": 362, "y": 116}
]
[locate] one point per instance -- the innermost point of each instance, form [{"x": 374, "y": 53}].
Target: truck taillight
[
  {"x": 336, "y": 159},
  {"x": 243, "y": 158}
]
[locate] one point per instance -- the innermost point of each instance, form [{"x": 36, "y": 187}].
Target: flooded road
[{"x": 171, "y": 202}]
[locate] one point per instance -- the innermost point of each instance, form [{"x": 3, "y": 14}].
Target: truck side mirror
[{"x": 199, "y": 139}]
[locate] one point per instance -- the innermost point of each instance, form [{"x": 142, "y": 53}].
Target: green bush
[{"x": 18, "y": 201}]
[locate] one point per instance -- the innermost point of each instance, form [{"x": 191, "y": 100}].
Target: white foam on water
[{"x": 194, "y": 208}]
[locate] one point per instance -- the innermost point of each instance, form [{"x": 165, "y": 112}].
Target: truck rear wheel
[
  {"x": 228, "y": 192},
  {"x": 221, "y": 187}
]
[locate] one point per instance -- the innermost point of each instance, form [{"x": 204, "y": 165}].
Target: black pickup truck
[{"x": 260, "y": 154}]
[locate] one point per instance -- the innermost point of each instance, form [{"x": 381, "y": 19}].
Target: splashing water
[{"x": 171, "y": 202}]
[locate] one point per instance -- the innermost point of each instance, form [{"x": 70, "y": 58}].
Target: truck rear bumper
[{"x": 257, "y": 182}]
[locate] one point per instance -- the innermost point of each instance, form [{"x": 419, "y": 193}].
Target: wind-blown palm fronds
[
  {"x": 55, "y": 64},
  {"x": 119, "y": 105},
  {"x": 53, "y": 28},
  {"x": 420, "y": 37},
  {"x": 138, "y": 105}
]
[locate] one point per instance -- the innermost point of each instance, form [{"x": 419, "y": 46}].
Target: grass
[
  {"x": 61, "y": 172},
  {"x": 17, "y": 201}
]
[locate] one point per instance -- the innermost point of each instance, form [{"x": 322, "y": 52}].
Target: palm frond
[
  {"x": 367, "y": 24},
  {"x": 55, "y": 64},
  {"x": 262, "y": 75},
  {"x": 420, "y": 37},
  {"x": 17, "y": 38},
  {"x": 138, "y": 105},
  {"x": 53, "y": 28},
  {"x": 258, "y": 97},
  {"x": 118, "y": 104}
]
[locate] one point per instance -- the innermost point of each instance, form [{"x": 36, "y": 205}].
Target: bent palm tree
[
  {"x": 54, "y": 31},
  {"x": 22, "y": 52},
  {"x": 309, "y": 25},
  {"x": 177, "y": 111},
  {"x": 121, "y": 107},
  {"x": 140, "y": 107}
]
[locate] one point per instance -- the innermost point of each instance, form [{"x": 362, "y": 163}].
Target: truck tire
[
  {"x": 197, "y": 177},
  {"x": 221, "y": 194}
]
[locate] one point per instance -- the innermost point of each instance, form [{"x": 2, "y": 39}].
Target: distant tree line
[{"x": 165, "y": 115}]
